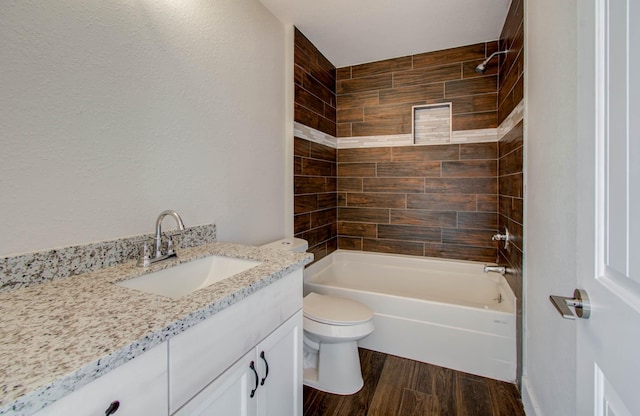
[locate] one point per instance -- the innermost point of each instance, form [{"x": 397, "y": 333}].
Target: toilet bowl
[{"x": 332, "y": 327}]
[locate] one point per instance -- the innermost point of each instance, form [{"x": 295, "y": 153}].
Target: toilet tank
[{"x": 290, "y": 244}]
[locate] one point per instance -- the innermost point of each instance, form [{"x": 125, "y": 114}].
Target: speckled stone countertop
[{"x": 57, "y": 336}]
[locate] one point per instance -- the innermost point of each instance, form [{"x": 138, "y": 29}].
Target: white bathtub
[{"x": 444, "y": 312}]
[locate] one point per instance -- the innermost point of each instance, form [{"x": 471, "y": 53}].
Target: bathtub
[{"x": 443, "y": 312}]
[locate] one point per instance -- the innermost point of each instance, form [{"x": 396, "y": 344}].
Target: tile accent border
[
  {"x": 511, "y": 120},
  {"x": 376, "y": 141},
  {"x": 313, "y": 135},
  {"x": 458, "y": 137},
  {"x": 474, "y": 136},
  {"x": 38, "y": 267}
]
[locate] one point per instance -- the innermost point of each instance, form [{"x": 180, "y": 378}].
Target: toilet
[{"x": 332, "y": 326}]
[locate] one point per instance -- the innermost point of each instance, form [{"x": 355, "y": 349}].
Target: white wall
[
  {"x": 112, "y": 111},
  {"x": 550, "y": 259}
]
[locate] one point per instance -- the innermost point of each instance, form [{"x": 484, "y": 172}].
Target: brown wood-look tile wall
[
  {"x": 435, "y": 201},
  {"x": 315, "y": 199},
  {"x": 376, "y": 98},
  {"x": 510, "y": 215},
  {"x": 511, "y": 89},
  {"x": 510, "y": 198},
  {"x": 315, "y": 86},
  {"x": 510, "y": 164}
]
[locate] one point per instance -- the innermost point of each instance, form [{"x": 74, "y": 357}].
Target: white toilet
[{"x": 332, "y": 327}]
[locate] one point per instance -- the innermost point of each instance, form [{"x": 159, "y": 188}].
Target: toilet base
[{"x": 338, "y": 370}]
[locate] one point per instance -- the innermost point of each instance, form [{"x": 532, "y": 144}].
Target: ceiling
[{"x": 350, "y": 32}]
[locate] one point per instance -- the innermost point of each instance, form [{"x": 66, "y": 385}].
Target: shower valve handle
[{"x": 506, "y": 237}]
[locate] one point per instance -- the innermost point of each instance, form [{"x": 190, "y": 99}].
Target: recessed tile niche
[{"x": 432, "y": 124}]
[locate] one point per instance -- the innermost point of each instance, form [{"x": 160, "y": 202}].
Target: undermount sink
[{"x": 186, "y": 278}]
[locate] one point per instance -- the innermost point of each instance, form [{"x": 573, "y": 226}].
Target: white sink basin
[{"x": 186, "y": 278}]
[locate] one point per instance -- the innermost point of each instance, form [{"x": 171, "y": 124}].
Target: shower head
[{"x": 483, "y": 66}]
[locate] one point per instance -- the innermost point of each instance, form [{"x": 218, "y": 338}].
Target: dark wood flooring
[{"x": 395, "y": 386}]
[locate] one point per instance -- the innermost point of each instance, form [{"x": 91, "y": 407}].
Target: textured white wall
[
  {"x": 112, "y": 111},
  {"x": 550, "y": 251}
]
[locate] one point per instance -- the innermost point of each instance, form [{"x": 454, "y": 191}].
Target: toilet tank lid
[
  {"x": 335, "y": 310},
  {"x": 290, "y": 244}
]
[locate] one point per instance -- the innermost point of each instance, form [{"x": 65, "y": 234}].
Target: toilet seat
[
  {"x": 327, "y": 333},
  {"x": 333, "y": 310}
]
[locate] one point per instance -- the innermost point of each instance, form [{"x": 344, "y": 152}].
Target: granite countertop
[{"x": 60, "y": 335}]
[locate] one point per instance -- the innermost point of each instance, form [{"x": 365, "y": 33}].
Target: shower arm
[
  {"x": 496, "y": 53},
  {"x": 483, "y": 66}
]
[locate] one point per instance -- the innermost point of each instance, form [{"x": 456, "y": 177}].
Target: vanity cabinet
[
  {"x": 140, "y": 387},
  {"x": 206, "y": 370},
  {"x": 269, "y": 320},
  {"x": 265, "y": 381}
]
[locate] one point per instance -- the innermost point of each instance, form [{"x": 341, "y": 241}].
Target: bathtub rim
[{"x": 334, "y": 257}]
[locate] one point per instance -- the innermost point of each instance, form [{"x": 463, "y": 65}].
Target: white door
[{"x": 608, "y": 356}]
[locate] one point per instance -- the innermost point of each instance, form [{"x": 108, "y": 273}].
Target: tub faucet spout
[{"x": 495, "y": 269}]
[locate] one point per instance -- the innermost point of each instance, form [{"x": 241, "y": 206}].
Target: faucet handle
[
  {"x": 169, "y": 251},
  {"x": 506, "y": 237},
  {"x": 144, "y": 259}
]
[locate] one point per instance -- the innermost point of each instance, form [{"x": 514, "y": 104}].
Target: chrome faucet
[
  {"x": 495, "y": 269},
  {"x": 158, "y": 255}
]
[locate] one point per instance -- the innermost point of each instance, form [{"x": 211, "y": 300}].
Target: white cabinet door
[
  {"x": 203, "y": 352},
  {"x": 267, "y": 381},
  {"x": 280, "y": 391},
  {"x": 229, "y": 394},
  {"x": 140, "y": 386}
]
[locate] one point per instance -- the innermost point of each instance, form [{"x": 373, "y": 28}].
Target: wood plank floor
[{"x": 395, "y": 386}]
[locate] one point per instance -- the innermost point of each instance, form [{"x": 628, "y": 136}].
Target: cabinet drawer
[
  {"x": 203, "y": 352},
  {"x": 140, "y": 386}
]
